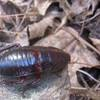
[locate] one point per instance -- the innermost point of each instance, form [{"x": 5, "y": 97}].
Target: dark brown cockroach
[{"x": 29, "y": 63}]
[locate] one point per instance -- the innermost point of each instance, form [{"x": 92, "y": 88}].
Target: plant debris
[{"x": 70, "y": 25}]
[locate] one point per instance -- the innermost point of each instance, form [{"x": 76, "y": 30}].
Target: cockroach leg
[
  {"x": 58, "y": 74},
  {"x": 12, "y": 46},
  {"x": 27, "y": 85},
  {"x": 38, "y": 71}
]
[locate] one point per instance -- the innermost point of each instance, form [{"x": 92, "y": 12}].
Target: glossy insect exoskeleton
[
  {"x": 94, "y": 72},
  {"x": 29, "y": 63}
]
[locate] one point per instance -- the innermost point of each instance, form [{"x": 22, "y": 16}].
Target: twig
[
  {"x": 82, "y": 41},
  {"x": 83, "y": 24},
  {"x": 20, "y": 15},
  {"x": 88, "y": 75},
  {"x": 74, "y": 62},
  {"x": 85, "y": 92},
  {"x": 19, "y": 25},
  {"x": 67, "y": 4},
  {"x": 6, "y": 31},
  {"x": 78, "y": 91},
  {"x": 87, "y": 20}
]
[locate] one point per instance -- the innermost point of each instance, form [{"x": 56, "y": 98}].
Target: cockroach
[{"x": 25, "y": 65}]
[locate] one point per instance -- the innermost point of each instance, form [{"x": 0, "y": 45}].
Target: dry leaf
[
  {"x": 80, "y": 6},
  {"x": 60, "y": 39},
  {"x": 38, "y": 29}
]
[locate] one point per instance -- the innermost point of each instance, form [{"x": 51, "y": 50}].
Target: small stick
[
  {"x": 87, "y": 20},
  {"x": 82, "y": 41},
  {"x": 83, "y": 24},
  {"x": 85, "y": 92},
  {"x": 75, "y": 62},
  {"x": 88, "y": 75},
  {"x": 20, "y": 15}
]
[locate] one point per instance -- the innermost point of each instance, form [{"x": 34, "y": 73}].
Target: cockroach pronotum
[{"x": 29, "y": 63}]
